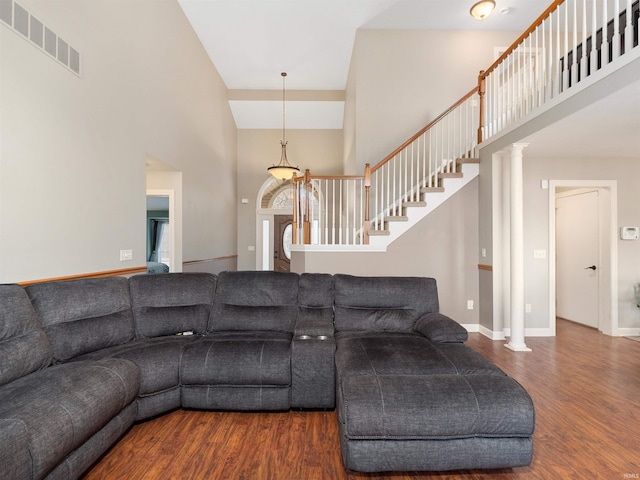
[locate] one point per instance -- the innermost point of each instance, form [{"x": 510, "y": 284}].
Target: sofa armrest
[
  {"x": 312, "y": 360},
  {"x": 441, "y": 329}
]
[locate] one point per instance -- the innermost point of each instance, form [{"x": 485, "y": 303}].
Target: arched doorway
[{"x": 274, "y": 218}]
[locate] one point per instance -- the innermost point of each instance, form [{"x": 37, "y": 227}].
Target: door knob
[{"x": 592, "y": 267}]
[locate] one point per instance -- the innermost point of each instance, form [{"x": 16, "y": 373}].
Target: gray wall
[
  {"x": 442, "y": 246},
  {"x": 318, "y": 150},
  {"x": 626, "y": 172}
]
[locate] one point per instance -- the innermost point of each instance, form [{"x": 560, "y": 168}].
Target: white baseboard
[
  {"x": 533, "y": 332},
  {"x": 471, "y": 327},
  {"x": 629, "y": 332}
]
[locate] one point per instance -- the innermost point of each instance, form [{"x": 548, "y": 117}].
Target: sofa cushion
[
  {"x": 239, "y": 358},
  {"x": 255, "y": 301},
  {"x": 382, "y": 303},
  {"x": 24, "y": 347},
  {"x": 84, "y": 315},
  {"x": 157, "y": 358},
  {"x": 440, "y": 328},
  {"x": 171, "y": 303},
  {"x": 416, "y": 407},
  {"x": 14, "y": 449},
  {"x": 393, "y": 353},
  {"x": 64, "y": 405}
]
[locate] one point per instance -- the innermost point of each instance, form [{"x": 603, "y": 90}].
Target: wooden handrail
[
  {"x": 526, "y": 33},
  {"x": 424, "y": 129},
  {"x": 329, "y": 177}
]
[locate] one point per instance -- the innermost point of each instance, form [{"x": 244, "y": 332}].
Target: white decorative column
[{"x": 516, "y": 340}]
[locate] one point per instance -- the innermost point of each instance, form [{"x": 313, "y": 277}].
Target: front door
[
  {"x": 283, "y": 232},
  {"x": 577, "y": 252}
]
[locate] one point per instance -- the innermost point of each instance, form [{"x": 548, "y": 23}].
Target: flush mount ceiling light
[
  {"x": 482, "y": 9},
  {"x": 283, "y": 170}
]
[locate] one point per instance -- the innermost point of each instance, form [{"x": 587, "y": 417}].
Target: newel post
[
  {"x": 367, "y": 187},
  {"x": 296, "y": 208},
  {"x": 481, "y": 92},
  {"x": 306, "y": 226}
]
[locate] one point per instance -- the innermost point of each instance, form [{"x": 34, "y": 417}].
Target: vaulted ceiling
[{"x": 251, "y": 41}]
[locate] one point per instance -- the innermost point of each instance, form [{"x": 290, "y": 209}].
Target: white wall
[
  {"x": 73, "y": 149},
  {"x": 404, "y": 78}
]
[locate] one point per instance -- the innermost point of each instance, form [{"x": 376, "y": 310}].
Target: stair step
[
  {"x": 450, "y": 175},
  {"x": 467, "y": 160},
  {"x": 432, "y": 189},
  {"x": 397, "y": 218},
  {"x": 379, "y": 233},
  {"x": 414, "y": 204}
]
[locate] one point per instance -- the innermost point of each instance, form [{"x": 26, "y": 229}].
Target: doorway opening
[
  {"x": 283, "y": 237},
  {"x": 274, "y": 221},
  {"x": 163, "y": 228},
  {"x": 583, "y": 253},
  {"x": 160, "y": 237}
]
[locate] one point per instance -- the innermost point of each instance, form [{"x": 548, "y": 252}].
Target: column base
[{"x": 518, "y": 348}]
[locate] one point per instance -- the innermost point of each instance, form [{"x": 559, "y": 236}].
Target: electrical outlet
[
  {"x": 126, "y": 255},
  {"x": 469, "y": 304},
  {"x": 484, "y": 253},
  {"x": 527, "y": 308}
]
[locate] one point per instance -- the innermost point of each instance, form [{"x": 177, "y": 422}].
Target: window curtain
[{"x": 157, "y": 232}]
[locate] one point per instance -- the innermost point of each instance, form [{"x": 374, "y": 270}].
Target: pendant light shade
[
  {"x": 482, "y": 9},
  {"x": 283, "y": 170}
]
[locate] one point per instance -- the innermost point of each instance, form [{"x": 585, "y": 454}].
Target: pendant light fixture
[
  {"x": 283, "y": 170},
  {"x": 482, "y": 9}
]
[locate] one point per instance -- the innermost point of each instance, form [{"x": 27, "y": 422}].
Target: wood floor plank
[{"x": 585, "y": 387}]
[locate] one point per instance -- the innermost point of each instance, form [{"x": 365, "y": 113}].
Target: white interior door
[{"x": 577, "y": 254}]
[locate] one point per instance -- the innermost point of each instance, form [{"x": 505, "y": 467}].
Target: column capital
[{"x": 519, "y": 146}]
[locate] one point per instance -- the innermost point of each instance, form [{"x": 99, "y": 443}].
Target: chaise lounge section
[
  {"x": 411, "y": 395},
  {"x": 83, "y": 360}
]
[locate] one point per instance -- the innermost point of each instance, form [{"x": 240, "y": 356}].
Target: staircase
[
  {"x": 553, "y": 58},
  {"x": 412, "y": 212}
]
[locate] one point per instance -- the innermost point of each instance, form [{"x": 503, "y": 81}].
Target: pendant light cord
[{"x": 284, "y": 74}]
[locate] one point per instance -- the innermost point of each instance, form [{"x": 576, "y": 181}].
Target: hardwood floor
[{"x": 585, "y": 387}]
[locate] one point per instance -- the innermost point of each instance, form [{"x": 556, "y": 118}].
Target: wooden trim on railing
[
  {"x": 207, "y": 260},
  {"x": 106, "y": 273},
  {"x": 424, "y": 129},
  {"x": 526, "y": 33},
  {"x": 488, "y": 268},
  {"x": 481, "y": 91},
  {"x": 330, "y": 177}
]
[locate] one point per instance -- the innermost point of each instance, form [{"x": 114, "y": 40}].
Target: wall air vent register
[{"x": 13, "y": 15}]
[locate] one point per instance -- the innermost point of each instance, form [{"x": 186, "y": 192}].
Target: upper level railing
[{"x": 569, "y": 42}]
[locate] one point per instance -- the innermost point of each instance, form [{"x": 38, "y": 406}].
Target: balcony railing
[{"x": 569, "y": 42}]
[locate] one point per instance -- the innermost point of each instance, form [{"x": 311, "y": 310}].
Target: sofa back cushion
[
  {"x": 382, "y": 304},
  {"x": 85, "y": 315},
  {"x": 24, "y": 347},
  {"x": 256, "y": 300},
  {"x": 171, "y": 303},
  {"x": 315, "y": 298}
]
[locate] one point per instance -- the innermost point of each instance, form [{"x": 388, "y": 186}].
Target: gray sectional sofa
[{"x": 82, "y": 360}]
